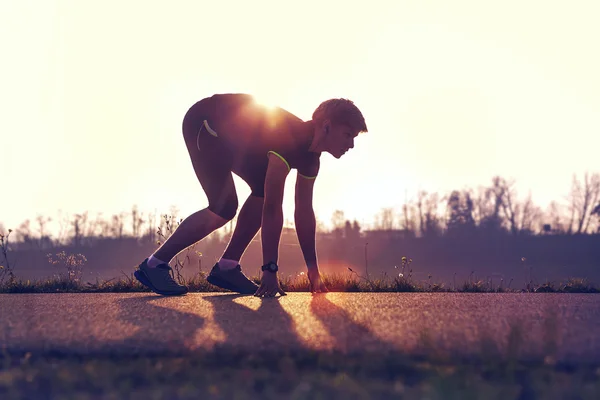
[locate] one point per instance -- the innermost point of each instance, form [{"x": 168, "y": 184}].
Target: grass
[
  {"x": 68, "y": 283},
  {"x": 302, "y": 375}
]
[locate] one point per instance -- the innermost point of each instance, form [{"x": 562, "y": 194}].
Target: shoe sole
[
  {"x": 214, "y": 280},
  {"x": 143, "y": 279}
]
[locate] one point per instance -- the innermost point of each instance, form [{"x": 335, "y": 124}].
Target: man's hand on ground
[
  {"x": 269, "y": 285},
  {"x": 316, "y": 283}
]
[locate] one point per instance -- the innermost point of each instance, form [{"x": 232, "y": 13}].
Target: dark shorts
[{"x": 213, "y": 162}]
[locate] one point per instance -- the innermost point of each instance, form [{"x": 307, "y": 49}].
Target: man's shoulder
[
  {"x": 246, "y": 98},
  {"x": 231, "y": 98},
  {"x": 247, "y": 107}
]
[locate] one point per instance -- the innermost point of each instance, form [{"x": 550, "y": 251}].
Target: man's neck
[{"x": 310, "y": 127}]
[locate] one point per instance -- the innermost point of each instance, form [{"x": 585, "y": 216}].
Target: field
[
  {"x": 224, "y": 374},
  {"x": 292, "y": 376},
  {"x": 350, "y": 282}
]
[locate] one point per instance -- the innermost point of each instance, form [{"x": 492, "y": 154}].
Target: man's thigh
[{"x": 212, "y": 162}]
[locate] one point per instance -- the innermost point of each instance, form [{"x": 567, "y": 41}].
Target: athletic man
[{"x": 232, "y": 133}]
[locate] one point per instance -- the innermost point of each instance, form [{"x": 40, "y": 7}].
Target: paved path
[{"x": 147, "y": 323}]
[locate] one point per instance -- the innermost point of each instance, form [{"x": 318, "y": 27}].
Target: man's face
[{"x": 340, "y": 139}]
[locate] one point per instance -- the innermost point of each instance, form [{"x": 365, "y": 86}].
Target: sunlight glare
[{"x": 266, "y": 100}]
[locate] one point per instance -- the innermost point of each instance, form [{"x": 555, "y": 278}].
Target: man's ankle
[
  {"x": 153, "y": 262},
  {"x": 227, "y": 264}
]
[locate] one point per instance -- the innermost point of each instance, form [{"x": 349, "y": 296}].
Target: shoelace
[{"x": 170, "y": 272}]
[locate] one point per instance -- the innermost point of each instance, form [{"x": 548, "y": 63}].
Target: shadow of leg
[{"x": 349, "y": 335}]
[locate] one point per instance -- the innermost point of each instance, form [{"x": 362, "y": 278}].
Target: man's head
[{"x": 337, "y": 122}]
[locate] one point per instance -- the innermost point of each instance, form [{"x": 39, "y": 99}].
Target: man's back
[
  {"x": 252, "y": 130},
  {"x": 242, "y": 121}
]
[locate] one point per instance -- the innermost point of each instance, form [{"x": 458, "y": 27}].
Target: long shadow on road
[
  {"x": 349, "y": 336},
  {"x": 178, "y": 326},
  {"x": 272, "y": 328},
  {"x": 268, "y": 328},
  {"x": 160, "y": 329}
]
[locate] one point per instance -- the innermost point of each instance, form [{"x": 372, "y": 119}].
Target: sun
[{"x": 266, "y": 100}]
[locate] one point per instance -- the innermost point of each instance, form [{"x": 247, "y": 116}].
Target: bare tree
[
  {"x": 64, "y": 227},
  {"x": 459, "y": 215},
  {"x": 509, "y": 204},
  {"x": 520, "y": 216},
  {"x": 421, "y": 196},
  {"x": 337, "y": 223},
  {"x": 487, "y": 205},
  {"x": 337, "y": 219},
  {"x": 483, "y": 206},
  {"x": 97, "y": 227},
  {"x": 584, "y": 195},
  {"x": 529, "y": 216},
  {"x": 79, "y": 228},
  {"x": 384, "y": 220},
  {"x": 433, "y": 217},
  {"x": 320, "y": 226},
  {"x": 76, "y": 230},
  {"x": 427, "y": 212},
  {"x": 23, "y": 233},
  {"x": 409, "y": 218},
  {"x": 151, "y": 227},
  {"x": 118, "y": 224},
  {"x": 554, "y": 218},
  {"x": 137, "y": 220},
  {"x": 103, "y": 227},
  {"x": 42, "y": 221},
  {"x": 351, "y": 230},
  {"x": 596, "y": 212}
]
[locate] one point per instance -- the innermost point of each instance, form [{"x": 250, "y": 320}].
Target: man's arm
[
  {"x": 305, "y": 220},
  {"x": 272, "y": 216}
]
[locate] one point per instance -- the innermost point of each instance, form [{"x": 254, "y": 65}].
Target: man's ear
[{"x": 326, "y": 126}]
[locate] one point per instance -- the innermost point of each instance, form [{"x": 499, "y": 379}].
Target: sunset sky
[{"x": 92, "y": 95}]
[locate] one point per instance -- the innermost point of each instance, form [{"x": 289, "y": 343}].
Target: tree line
[
  {"x": 488, "y": 226},
  {"x": 492, "y": 210}
]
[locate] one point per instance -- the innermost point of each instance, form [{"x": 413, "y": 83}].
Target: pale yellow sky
[{"x": 92, "y": 96}]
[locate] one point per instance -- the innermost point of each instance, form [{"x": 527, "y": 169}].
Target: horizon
[{"x": 53, "y": 224}]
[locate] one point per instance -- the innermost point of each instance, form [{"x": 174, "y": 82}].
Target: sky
[{"x": 92, "y": 95}]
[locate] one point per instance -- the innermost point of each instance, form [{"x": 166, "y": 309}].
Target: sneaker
[
  {"x": 232, "y": 279},
  {"x": 159, "y": 279}
]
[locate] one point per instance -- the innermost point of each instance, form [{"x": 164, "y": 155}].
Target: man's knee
[
  {"x": 258, "y": 191},
  {"x": 225, "y": 209}
]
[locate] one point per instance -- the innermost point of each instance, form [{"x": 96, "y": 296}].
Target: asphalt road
[{"x": 143, "y": 323}]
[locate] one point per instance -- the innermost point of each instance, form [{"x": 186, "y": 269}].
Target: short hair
[{"x": 340, "y": 111}]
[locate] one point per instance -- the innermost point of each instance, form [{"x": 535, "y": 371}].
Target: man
[{"x": 232, "y": 133}]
